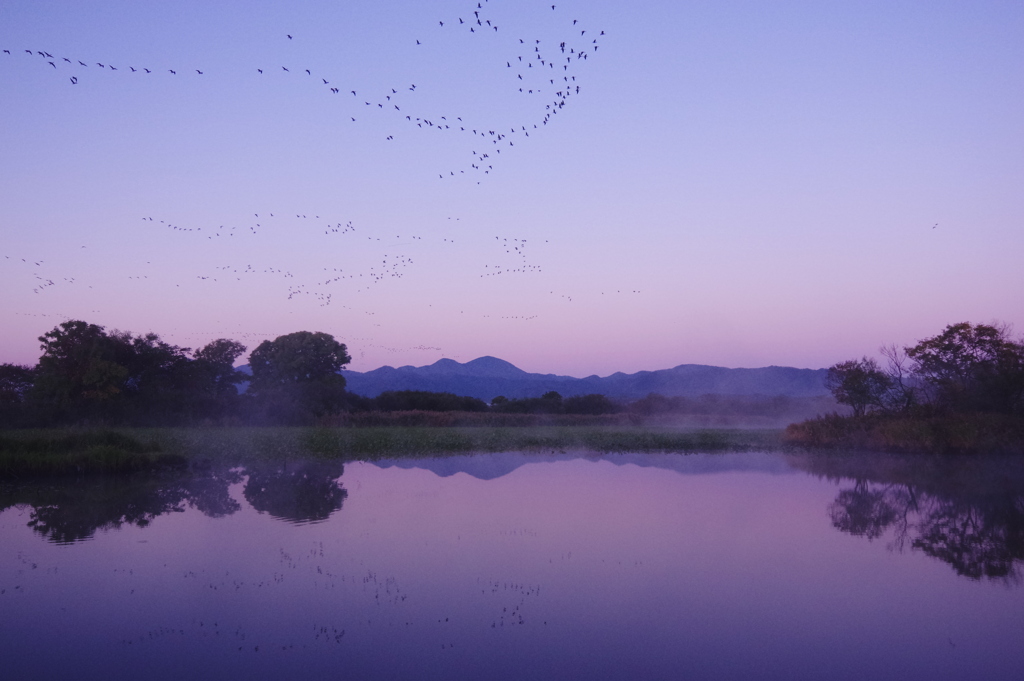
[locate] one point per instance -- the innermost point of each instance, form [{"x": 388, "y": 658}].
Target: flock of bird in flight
[
  {"x": 546, "y": 71},
  {"x": 320, "y": 284},
  {"x": 538, "y": 68}
]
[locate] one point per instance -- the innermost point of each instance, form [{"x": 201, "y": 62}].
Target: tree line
[
  {"x": 89, "y": 375},
  {"x": 966, "y": 369}
]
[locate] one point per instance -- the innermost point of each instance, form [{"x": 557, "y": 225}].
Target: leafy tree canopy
[
  {"x": 79, "y": 361},
  {"x": 859, "y": 383},
  {"x": 15, "y": 383},
  {"x": 972, "y": 368},
  {"x": 422, "y": 400},
  {"x": 296, "y": 376},
  {"x": 220, "y": 353},
  {"x": 298, "y": 357}
]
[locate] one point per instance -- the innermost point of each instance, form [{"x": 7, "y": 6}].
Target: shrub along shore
[
  {"x": 914, "y": 434},
  {"x": 961, "y": 391}
]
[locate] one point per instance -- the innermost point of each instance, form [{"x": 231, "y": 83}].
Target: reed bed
[
  {"x": 36, "y": 453},
  {"x": 56, "y": 452},
  {"x": 945, "y": 434}
]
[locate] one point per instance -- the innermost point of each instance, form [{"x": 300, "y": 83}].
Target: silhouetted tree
[
  {"x": 903, "y": 392},
  {"x": 859, "y": 383},
  {"x": 216, "y": 384},
  {"x": 86, "y": 373},
  {"x": 422, "y": 400},
  {"x": 15, "y": 384},
  {"x": 588, "y": 404},
  {"x": 655, "y": 403},
  {"x": 548, "y": 403},
  {"x": 80, "y": 372},
  {"x": 972, "y": 368},
  {"x": 219, "y": 356},
  {"x": 161, "y": 380},
  {"x": 296, "y": 376}
]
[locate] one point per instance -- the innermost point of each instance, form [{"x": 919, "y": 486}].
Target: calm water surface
[{"x": 512, "y": 566}]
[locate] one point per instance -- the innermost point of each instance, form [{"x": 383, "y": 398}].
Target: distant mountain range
[{"x": 488, "y": 377}]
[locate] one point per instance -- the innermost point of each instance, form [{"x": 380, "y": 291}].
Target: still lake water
[{"x": 517, "y": 566}]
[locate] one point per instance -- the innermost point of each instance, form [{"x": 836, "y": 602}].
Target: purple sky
[{"x": 734, "y": 184}]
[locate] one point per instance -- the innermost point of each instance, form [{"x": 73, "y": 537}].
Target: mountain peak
[
  {"x": 482, "y": 367},
  {"x": 486, "y": 377},
  {"x": 493, "y": 366}
]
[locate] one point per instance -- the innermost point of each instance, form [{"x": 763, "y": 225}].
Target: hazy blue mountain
[{"x": 488, "y": 377}]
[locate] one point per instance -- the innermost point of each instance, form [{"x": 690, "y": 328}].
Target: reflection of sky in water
[{"x": 570, "y": 568}]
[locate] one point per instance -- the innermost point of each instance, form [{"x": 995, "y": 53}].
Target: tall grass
[
  {"x": 62, "y": 452},
  {"x": 953, "y": 433},
  {"x": 35, "y": 453}
]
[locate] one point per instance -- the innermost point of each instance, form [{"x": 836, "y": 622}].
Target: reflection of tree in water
[
  {"x": 867, "y": 512},
  {"x": 296, "y": 491},
  {"x": 67, "y": 511},
  {"x": 966, "y": 512}
]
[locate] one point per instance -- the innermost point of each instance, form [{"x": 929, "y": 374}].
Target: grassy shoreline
[
  {"x": 930, "y": 434},
  {"x": 125, "y": 450},
  {"x": 77, "y": 451}
]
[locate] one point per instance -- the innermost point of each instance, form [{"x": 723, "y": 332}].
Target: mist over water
[{"x": 515, "y": 565}]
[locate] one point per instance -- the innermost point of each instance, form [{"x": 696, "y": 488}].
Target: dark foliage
[
  {"x": 972, "y": 369},
  {"x": 87, "y": 375},
  {"x": 859, "y": 383},
  {"x": 93, "y": 377},
  {"x": 589, "y": 404},
  {"x": 548, "y": 403},
  {"x": 420, "y": 400},
  {"x": 965, "y": 369},
  {"x": 15, "y": 384},
  {"x": 962, "y": 390},
  {"x": 79, "y": 453},
  {"x": 295, "y": 377}
]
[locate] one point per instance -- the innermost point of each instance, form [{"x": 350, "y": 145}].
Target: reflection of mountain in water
[
  {"x": 968, "y": 512},
  {"x": 296, "y": 491},
  {"x": 491, "y": 466}
]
